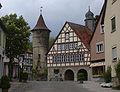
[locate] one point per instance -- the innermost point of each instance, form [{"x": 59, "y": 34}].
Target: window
[
  {"x": 113, "y": 24},
  {"x": 81, "y": 57},
  {"x": 99, "y": 47},
  {"x": 113, "y": 1},
  {"x": 102, "y": 28},
  {"x": 66, "y": 35},
  {"x": 114, "y": 53},
  {"x": 56, "y": 71},
  {"x": 77, "y": 57},
  {"x": 59, "y": 47}
]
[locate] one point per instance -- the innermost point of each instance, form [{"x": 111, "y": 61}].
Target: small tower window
[{"x": 102, "y": 28}]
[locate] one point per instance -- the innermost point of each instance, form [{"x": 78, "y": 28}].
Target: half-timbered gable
[{"x": 71, "y": 47}]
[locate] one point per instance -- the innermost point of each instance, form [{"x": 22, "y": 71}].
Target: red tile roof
[
  {"x": 40, "y": 24},
  {"x": 83, "y": 32}
]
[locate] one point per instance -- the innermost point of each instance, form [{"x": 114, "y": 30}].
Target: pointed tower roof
[
  {"x": 40, "y": 24},
  {"x": 89, "y": 13}
]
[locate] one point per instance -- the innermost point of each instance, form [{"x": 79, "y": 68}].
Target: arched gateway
[
  {"x": 84, "y": 72},
  {"x": 69, "y": 75}
]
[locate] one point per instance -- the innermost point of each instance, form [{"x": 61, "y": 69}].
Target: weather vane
[
  {"x": 89, "y": 8},
  {"x": 41, "y": 9}
]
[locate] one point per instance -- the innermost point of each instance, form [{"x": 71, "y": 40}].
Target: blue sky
[{"x": 55, "y": 12}]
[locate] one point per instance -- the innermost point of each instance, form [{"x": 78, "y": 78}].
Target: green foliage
[
  {"x": 117, "y": 69},
  {"x": 107, "y": 75},
  {"x": 5, "y": 82},
  {"x": 40, "y": 76},
  {"x": 81, "y": 77},
  {"x": 17, "y": 35},
  {"x": 117, "y": 87},
  {"x": 51, "y": 40},
  {"x": 29, "y": 46},
  {"x": 24, "y": 76}
]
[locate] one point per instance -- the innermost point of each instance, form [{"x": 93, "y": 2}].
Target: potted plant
[
  {"x": 5, "y": 83},
  {"x": 81, "y": 77},
  {"x": 24, "y": 76}
]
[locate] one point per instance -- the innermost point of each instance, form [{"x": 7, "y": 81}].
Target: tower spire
[{"x": 89, "y": 8}]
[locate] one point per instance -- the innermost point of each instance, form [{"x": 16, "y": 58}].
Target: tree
[
  {"x": 107, "y": 75},
  {"x": 17, "y": 37},
  {"x": 81, "y": 77},
  {"x": 117, "y": 69},
  {"x": 51, "y": 40}
]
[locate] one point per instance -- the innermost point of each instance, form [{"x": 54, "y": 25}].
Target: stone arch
[
  {"x": 69, "y": 75},
  {"x": 84, "y": 72}
]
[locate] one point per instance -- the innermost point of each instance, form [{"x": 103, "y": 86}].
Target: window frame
[
  {"x": 114, "y": 53},
  {"x": 113, "y": 1},
  {"x": 67, "y": 35},
  {"x": 113, "y": 29},
  {"x": 102, "y": 30},
  {"x": 98, "y": 48}
]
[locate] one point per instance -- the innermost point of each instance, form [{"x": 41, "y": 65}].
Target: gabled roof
[
  {"x": 83, "y": 32},
  {"x": 102, "y": 14},
  {"x": 40, "y": 24}
]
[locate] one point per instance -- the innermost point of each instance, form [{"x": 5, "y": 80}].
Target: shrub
[
  {"x": 5, "y": 82},
  {"x": 81, "y": 77},
  {"x": 117, "y": 87},
  {"x": 24, "y": 76},
  {"x": 107, "y": 75},
  {"x": 117, "y": 69}
]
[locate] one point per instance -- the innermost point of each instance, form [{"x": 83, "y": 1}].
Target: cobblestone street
[{"x": 68, "y": 86}]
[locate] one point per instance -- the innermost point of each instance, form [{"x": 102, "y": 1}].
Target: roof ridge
[{"x": 75, "y": 23}]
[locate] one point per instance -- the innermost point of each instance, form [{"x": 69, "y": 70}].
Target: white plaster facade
[
  {"x": 2, "y": 48},
  {"x": 112, "y": 39}
]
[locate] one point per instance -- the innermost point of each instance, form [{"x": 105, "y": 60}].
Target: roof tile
[{"x": 83, "y": 32}]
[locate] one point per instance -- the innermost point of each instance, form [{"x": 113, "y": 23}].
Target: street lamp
[{"x": 0, "y": 6}]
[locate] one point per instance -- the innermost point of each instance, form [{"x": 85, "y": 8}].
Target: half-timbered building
[{"x": 70, "y": 53}]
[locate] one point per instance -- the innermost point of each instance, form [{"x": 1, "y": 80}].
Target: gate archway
[
  {"x": 69, "y": 75},
  {"x": 85, "y": 74}
]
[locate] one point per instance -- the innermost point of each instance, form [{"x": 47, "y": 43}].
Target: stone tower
[
  {"x": 90, "y": 20},
  {"x": 40, "y": 45}
]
